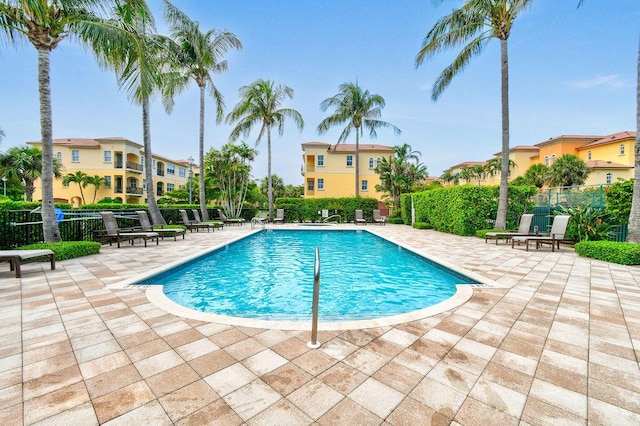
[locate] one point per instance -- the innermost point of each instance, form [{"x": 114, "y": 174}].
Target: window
[
  {"x": 59, "y": 156},
  {"x": 182, "y": 172},
  {"x": 588, "y": 155},
  {"x": 553, "y": 158},
  {"x": 170, "y": 187},
  {"x": 371, "y": 163},
  {"x": 621, "y": 149},
  {"x": 349, "y": 160},
  {"x": 365, "y": 185},
  {"x": 320, "y": 161},
  {"x": 320, "y": 184},
  {"x": 107, "y": 156},
  {"x": 171, "y": 170},
  {"x": 609, "y": 179},
  {"x": 75, "y": 155},
  {"x": 144, "y": 184},
  {"x": 309, "y": 185},
  {"x": 153, "y": 164},
  {"x": 107, "y": 181},
  {"x": 378, "y": 161},
  {"x": 546, "y": 160}
]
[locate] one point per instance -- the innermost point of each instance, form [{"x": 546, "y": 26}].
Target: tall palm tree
[
  {"x": 197, "y": 55},
  {"x": 24, "y": 164},
  {"x": 260, "y": 104},
  {"x": 1, "y": 134},
  {"x": 131, "y": 48},
  {"x": 79, "y": 178},
  {"x": 359, "y": 110},
  {"x": 472, "y": 26},
  {"x": 97, "y": 182},
  {"x": 45, "y": 24}
]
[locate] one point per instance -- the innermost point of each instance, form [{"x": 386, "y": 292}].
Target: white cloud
[{"x": 612, "y": 81}]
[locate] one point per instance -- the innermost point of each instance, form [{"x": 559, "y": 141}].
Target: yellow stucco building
[
  {"x": 120, "y": 162},
  {"x": 329, "y": 170},
  {"x": 607, "y": 157}
]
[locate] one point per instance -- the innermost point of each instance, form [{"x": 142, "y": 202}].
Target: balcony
[
  {"x": 135, "y": 167},
  {"x": 160, "y": 172},
  {"x": 132, "y": 190}
]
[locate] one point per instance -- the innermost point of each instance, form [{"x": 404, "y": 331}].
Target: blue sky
[{"x": 572, "y": 71}]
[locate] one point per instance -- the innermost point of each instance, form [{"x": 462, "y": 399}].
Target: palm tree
[
  {"x": 136, "y": 54},
  {"x": 1, "y": 134},
  {"x": 473, "y": 25},
  {"x": 359, "y": 110},
  {"x": 568, "y": 170},
  {"x": 45, "y": 24},
  {"x": 537, "y": 175},
  {"x": 80, "y": 178},
  {"x": 197, "y": 55},
  {"x": 24, "y": 164},
  {"x": 399, "y": 173},
  {"x": 260, "y": 104},
  {"x": 478, "y": 170},
  {"x": 97, "y": 182},
  {"x": 447, "y": 176}
]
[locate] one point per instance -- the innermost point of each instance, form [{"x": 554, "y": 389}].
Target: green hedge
[
  {"x": 395, "y": 221},
  {"x": 422, "y": 225},
  {"x": 67, "y": 249},
  {"x": 609, "y": 251},
  {"x": 462, "y": 210},
  {"x": 310, "y": 209}
]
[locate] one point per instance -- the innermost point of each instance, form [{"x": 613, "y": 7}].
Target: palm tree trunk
[
  {"x": 634, "y": 216},
  {"x": 156, "y": 217},
  {"x": 501, "y": 218},
  {"x": 357, "y": 162},
  {"x": 203, "y": 200},
  {"x": 50, "y": 229},
  {"x": 269, "y": 181}
]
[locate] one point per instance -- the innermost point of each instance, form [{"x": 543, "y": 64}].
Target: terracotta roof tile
[
  {"x": 601, "y": 164},
  {"x": 616, "y": 137}
]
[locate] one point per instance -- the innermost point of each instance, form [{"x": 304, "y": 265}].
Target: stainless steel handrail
[{"x": 313, "y": 343}]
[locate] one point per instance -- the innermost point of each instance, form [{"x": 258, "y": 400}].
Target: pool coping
[{"x": 155, "y": 294}]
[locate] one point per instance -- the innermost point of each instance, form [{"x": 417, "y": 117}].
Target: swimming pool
[{"x": 269, "y": 276}]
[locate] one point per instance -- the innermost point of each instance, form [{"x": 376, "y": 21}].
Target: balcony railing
[
  {"x": 135, "y": 166},
  {"x": 134, "y": 190},
  {"x": 160, "y": 172}
]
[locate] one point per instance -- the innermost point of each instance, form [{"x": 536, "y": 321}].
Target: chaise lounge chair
[
  {"x": 145, "y": 225},
  {"x": 555, "y": 237},
  {"x": 279, "y": 216},
  {"x": 114, "y": 233},
  {"x": 523, "y": 230},
  {"x": 359, "y": 219},
  {"x": 230, "y": 221},
  {"x": 17, "y": 257},
  {"x": 192, "y": 224},
  {"x": 377, "y": 218},
  {"x": 212, "y": 224}
]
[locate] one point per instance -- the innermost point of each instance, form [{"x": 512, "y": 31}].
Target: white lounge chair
[
  {"x": 555, "y": 236},
  {"x": 524, "y": 229}
]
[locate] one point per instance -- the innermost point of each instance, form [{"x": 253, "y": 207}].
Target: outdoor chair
[
  {"x": 145, "y": 225},
  {"x": 359, "y": 219},
  {"x": 555, "y": 237},
  {"x": 229, "y": 221},
  {"x": 279, "y": 216},
  {"x": 17, "y": 257},
  {"x": 523, "y": 230},
  {"x": 378, "y": 219},
  {"x": 212, "y": 224},
  {"x": 192, "y": 224},
  {"x": 115, "y": 233}
]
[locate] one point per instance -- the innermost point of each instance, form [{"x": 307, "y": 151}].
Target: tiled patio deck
[{"x": 558, "y": 342}]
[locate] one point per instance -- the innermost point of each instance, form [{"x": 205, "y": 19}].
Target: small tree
[
  {"x": 568, "y": 170},
  {"x": 277, "y": 186},
  {"x": 79, "y": 178},
  {"x": 230, "y": 168},
  {"x": 97, "y": 182},
  {"x": 537, "y": 175}
]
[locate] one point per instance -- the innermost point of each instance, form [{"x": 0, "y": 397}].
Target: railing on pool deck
[{"x": 313, "y": 343}]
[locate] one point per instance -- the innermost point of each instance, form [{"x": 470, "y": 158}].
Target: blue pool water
[{"x": 269, "y": 275}]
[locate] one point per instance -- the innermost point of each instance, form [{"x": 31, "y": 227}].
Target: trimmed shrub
[
  {"x": 67, "y": 249},
  {"x": 422, "y": 225},
  {"x": 480, "y": 233},
  {"x": 310, "y": 209},
  {"x": 610, "y": 251},
  {"x": 462, "y": 210},
  {"x": 396, "y": 221}
]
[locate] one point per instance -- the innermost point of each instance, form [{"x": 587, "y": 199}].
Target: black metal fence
[{"x": 22, "y": 227}]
